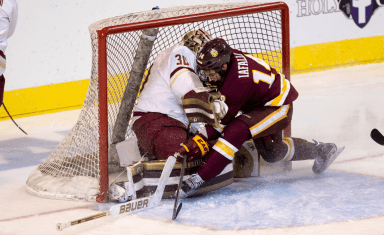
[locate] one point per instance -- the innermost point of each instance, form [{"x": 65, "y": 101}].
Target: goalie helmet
[
  {"x": 213, "y": 59},
  {"x": 195, "y": 40}
]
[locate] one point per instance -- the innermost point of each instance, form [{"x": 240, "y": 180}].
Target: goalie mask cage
[{"x": 123, "y": 49}]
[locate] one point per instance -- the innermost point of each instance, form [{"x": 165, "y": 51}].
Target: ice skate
[
  {"x": 328, "y": 152},
  {"x": 190, "y": 186}
]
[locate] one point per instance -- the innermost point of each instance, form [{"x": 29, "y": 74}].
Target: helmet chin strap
[{"x": 223, "y": 74}]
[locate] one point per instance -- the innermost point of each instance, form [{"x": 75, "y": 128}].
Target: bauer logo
[{"x": 132, "y": 206}]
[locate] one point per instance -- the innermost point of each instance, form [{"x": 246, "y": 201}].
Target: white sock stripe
[
  {"x": 228, "y": 144},
  {"x": 291, "y": 149},
  {"x": 222, "y": 152}
]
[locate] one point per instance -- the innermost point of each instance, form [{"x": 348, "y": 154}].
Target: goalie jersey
[
  {"x": 8, "y": 20},
  {"x": 170, "y": 77}
]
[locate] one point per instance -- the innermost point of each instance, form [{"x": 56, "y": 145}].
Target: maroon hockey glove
[
  {"x": 2, "y": 83},
  {"x": 195, "y": 148}
]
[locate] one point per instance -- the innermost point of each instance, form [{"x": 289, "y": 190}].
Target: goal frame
[{"x": 102, "y": 63}]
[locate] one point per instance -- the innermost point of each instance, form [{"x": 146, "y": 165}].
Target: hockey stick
[
  {"x": 377, "y": 137},
  {"x": 12, "y": 119},
  {"x": 134, "y": 205},
  {"x": 176, "y": 207}
]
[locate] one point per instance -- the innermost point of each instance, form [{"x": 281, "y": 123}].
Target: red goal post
[{"x": 109, "y": 35}]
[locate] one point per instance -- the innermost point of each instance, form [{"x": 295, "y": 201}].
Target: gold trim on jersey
[
  {"x": 291, "y": 149},
  {"x": 174, "y": 77},
  {"x": 225, "y": 148},
  {"x": 270, "y": 120},
  {"x": 280, "y": 99}
]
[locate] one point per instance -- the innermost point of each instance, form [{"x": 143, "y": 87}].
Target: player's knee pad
[{"x": 271, "y": 149}]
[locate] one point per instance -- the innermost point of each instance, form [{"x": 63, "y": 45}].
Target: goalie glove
[
  {"x": 195, "y": 148},
  {"x": 120, "y": 192},
  {"x": 220, "y": 108}
]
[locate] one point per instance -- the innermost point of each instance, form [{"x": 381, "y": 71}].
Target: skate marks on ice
[{"x": 285, "y": 200}]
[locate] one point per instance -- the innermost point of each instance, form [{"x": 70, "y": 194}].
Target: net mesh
[{"x": 72, "y": 169}]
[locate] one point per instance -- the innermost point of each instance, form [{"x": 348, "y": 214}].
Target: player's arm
[
  {"x": 278, "y": 90},
  {"x": 183, "y": 77}
]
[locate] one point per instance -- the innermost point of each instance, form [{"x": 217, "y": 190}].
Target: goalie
[{"x": 160, "y": 122}]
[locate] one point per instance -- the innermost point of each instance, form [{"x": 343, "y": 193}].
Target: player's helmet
[
  {"x": 214, "y": 55},
  {"x": 195, "y": 40}
]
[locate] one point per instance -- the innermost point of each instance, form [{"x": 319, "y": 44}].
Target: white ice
[{"x": 341, "y": 105}]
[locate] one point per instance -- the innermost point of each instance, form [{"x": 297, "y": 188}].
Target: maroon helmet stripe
[{"x": 180, "y": 68}]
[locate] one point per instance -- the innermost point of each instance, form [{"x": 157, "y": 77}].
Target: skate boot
[
  {"x": 326, "y": 155},
  {"x": 190, "y": 186}
]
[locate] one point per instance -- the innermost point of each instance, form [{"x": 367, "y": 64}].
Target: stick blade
[
  {"x": 377, "y": 137},
  {"x": 175, "y": 213}
]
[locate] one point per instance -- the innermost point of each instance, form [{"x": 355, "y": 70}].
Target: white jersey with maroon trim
[
  {"x": 170, "y": 77},
  {"x": 8, "y": 20}
]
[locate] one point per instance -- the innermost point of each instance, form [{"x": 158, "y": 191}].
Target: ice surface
[{"x": 341, "y": 106}]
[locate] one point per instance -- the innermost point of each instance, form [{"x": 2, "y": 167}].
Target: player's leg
[
  {"x": 159, "y": 134},
  {"x": 272, "y": 147},
  {"x": 221, "y": 154}
]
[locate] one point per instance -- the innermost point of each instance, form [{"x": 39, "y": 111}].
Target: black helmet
[{"x": 213, "y": 56}]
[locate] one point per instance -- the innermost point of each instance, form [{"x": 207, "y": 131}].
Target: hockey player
[
  {"x": 160, "y": 122},
  {"x": 264, "y": 97},
  {"x": 8, "y": 20}
]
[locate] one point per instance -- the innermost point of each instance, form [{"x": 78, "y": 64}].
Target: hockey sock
[
  {"x": 215, "y": 163},
  {"x": 304, "y": 150}
]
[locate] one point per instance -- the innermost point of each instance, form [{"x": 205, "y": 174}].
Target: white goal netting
[{"x": 72, "y": 171}]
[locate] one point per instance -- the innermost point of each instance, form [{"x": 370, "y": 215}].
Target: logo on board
[{"x": 360, "y": 11}]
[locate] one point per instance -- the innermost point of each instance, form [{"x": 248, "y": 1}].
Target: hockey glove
[
  {"x": 195, "y": 148},
  {"x": 220, "y": 108}
]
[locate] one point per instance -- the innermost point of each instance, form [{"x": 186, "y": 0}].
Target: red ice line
[{"x": 49, "y": 212}]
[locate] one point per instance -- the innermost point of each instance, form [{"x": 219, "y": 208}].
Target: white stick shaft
[{"x": 146, "y": 202}]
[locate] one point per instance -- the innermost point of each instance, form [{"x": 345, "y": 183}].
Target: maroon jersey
[{"x": 252, "y": 83}]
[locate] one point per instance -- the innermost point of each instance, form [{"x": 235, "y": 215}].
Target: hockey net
[{"x": 78, "y": 168}]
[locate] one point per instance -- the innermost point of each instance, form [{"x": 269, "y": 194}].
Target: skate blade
[{"x": 334, "y": 156}]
